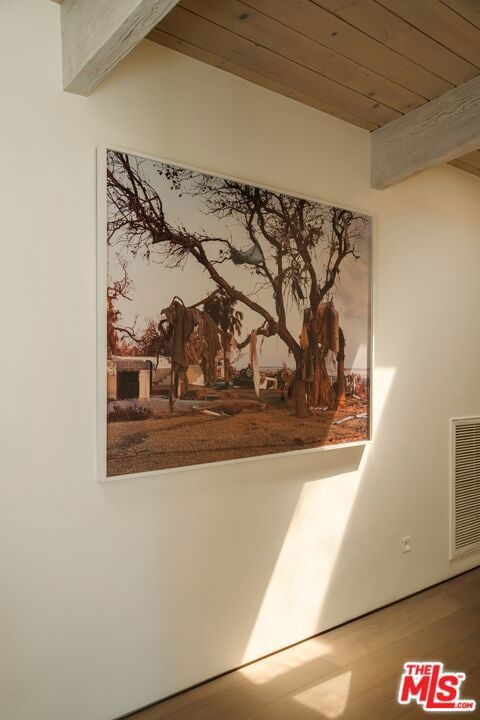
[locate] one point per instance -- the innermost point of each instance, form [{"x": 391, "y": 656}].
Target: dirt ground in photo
[{"x": 190, "y": 437}]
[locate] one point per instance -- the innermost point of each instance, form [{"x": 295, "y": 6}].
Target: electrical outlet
[{"x": 406, "y": 544}]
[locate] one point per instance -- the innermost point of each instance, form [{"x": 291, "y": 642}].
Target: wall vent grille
[{"x": 465, "y": 486}]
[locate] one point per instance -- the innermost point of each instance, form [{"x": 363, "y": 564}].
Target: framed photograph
[{"x": 234, "y": 319}]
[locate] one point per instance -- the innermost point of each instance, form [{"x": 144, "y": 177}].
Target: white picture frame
[{"x": 101, "y": 354}]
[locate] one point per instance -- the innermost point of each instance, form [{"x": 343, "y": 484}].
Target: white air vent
[{"x": 465, "y": 485}]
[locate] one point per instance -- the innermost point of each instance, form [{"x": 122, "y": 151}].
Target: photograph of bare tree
[{"x": 237, "y": 319}]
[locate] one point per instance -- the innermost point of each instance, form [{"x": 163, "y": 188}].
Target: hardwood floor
[{"x": 351, "y": 672}]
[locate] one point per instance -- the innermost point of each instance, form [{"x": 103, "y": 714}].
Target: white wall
[{"x": 115, "y": 595}]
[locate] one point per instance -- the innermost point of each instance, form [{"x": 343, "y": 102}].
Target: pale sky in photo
[{"x": 154, "y": 285}]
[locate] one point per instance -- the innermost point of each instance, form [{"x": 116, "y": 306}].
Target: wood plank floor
[{"x": 351, "y": 672}]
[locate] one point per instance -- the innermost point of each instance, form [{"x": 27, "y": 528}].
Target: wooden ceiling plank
[
  {"x": 331, "y": 31},
  {"x": 442, "y": 130},
  {"x": 464, "y": 166},
  {"x": 391, "y": 30},
  {"x": 472, "y": 159},
  {"x": 468, "y": 9},
  {"x": 97, "y": 35},
  {"x": 261, "y": 29},
  {"x": 442, "y": 24},
  {"x": 207, "y": 35},
  {"x": 162, "y": 38}
]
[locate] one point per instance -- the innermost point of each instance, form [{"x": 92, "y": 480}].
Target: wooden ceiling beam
[
  {"x": 97, "y": 35},
  {"x": 442, "y": 130}
]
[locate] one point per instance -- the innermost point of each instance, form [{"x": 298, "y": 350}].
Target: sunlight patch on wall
[
  {"x": 301, "y": 577},
  {"x": 328, "y": 698},
  {"x": 381, "y": 385}
]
